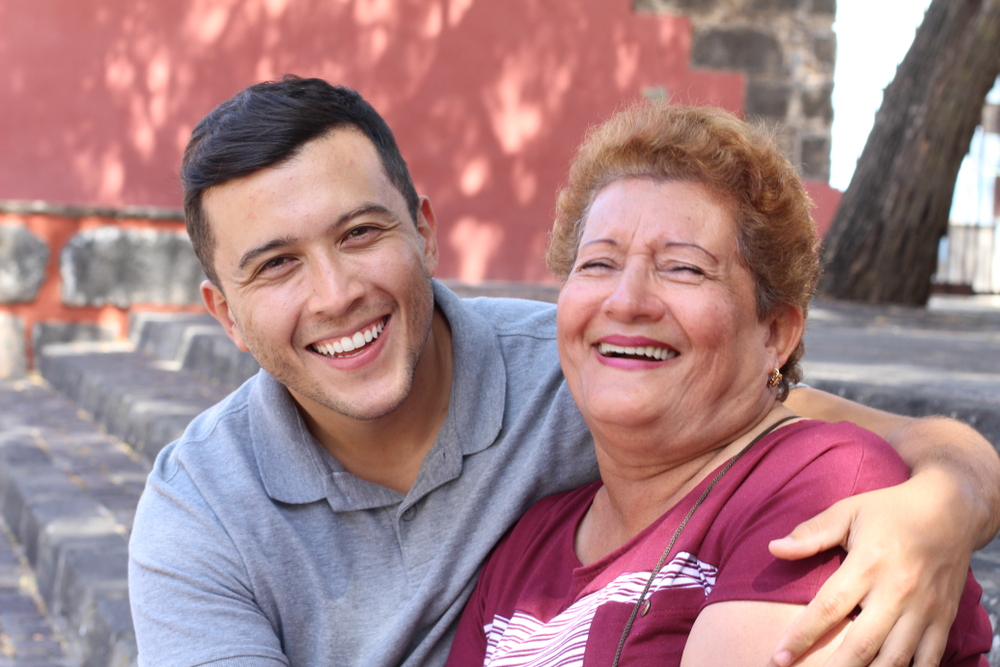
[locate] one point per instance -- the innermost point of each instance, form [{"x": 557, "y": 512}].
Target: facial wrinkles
[{"x": 658, "y": 243}]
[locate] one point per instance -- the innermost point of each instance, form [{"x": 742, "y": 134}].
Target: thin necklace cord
[{"x": 677, "y": 533}]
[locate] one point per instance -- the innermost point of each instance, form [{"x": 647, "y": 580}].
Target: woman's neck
[{"x": 638, "y": 492}]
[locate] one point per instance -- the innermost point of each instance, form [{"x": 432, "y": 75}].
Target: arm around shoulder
[
  {"x": 908, "y": 546},
  {"x": 947, "y": 448}
]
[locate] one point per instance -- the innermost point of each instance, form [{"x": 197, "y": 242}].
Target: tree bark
[{"x": 882, "y": 245}]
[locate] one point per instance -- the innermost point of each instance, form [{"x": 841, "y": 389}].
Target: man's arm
[{"x": 909, "y": 546}]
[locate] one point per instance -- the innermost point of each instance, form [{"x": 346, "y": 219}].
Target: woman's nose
[{"x": 634, "y": 296}]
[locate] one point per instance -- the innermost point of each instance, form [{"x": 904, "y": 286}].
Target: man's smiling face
[{"x": 324, "y": 276}]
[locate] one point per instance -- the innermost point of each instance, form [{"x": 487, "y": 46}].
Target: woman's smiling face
[{"x": 657, "y": 321}]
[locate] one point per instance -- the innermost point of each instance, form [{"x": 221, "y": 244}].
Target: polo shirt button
[{"x": 409, "y": 513}]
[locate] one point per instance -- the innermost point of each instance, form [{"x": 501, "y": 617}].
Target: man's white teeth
[
  {"x": 352, "y": 343},
  {"x": 649, "y": 351}
]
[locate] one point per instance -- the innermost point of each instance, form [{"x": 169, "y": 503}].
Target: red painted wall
[{"x": 488, "y": 98}]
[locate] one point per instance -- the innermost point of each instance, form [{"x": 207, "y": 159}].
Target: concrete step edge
[
  {"x": 133, "y": 396},
  {"x": 981, "y": 415},
  {"x": 195, "y": 343},
  {"x": 77, "y": 549}
]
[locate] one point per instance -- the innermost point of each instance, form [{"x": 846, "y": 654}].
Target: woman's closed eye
[
  {"x": 688, "y": 268},
  {"x": 596, "y": 264},
  {"x": 682, "y": 271}
]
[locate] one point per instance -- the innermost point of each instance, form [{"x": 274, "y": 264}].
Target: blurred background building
[{"x": 488, "y": 101}]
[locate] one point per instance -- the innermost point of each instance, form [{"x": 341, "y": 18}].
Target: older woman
[{"x": 689, "y": 258}]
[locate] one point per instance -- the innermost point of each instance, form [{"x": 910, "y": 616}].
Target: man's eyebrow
[
  {"x": 253, "y": 253},
  {"x": 281, "y": 241}
]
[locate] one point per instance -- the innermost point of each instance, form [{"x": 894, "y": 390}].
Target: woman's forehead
[{"x": 658, "y": 211}]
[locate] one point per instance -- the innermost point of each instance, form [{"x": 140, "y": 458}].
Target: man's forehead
[{"x": 337, "y": 172}]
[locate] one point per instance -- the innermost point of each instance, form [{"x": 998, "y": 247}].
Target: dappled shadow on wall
[{"x": 488, "y": 99}]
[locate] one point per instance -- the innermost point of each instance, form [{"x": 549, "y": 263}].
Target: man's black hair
[{"x": 267, "y": 124}]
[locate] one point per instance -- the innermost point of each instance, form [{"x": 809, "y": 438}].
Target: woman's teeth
[
  {"x": 353, "y": 343},
  {"x": 649, "y": 351}
]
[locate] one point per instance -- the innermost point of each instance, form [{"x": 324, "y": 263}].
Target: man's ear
[
  {"x": 216, "y": 303},
  {"x": 787, "y": 324},
  {"x": 427, "y": 229}
]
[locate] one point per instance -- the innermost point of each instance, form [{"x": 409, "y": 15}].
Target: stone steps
[
  {"x": 68, "y": 493},
  {"x": 75, "y": 446}
]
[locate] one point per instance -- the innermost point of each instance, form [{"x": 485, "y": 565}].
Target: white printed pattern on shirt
[{"x": 524, "y": 641}]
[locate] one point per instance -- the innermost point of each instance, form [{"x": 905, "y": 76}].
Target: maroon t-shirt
[{"x": 536, "y": 604}]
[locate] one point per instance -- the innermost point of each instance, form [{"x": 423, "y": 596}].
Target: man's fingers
[
  {"x": 909, "y": 642},
  {"x": 882, "y": 642},
  {"x": 931, "y": 647},
  {"x": 830, "y": 606},
  {"x": 826, "y": 530}
]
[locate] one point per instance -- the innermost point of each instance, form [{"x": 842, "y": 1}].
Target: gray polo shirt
[{"x": 253, "y": 546}]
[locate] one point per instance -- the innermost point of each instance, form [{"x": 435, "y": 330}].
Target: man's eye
[
  {"x": 361, "y": 231},
  {"x": 274, "y": 263}
]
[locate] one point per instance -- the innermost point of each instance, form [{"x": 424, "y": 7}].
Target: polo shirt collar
[{"x": 295, "y": 468}]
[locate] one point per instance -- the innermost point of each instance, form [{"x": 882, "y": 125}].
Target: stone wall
[
  {"x": 76, "y": 273},
  {"x": 786, "y": 49}
]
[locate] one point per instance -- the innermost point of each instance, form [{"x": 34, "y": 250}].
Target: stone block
[
  {"x": 673, "y": 6},
  {"x": 13, "y": 358},
  {"x": 50, "y": 333},
  {"x": 824, "y": 6},
  {"x": 23, "y": 257},
  {"x": 119, "y": 267},
  {"x": 774, "y": 5},
  {"x": 824, "y": 47},
  {"x": 740, "y": 49},
  {"x": 767, "y": 99},
  {"x": 817, "y": 103},
  {"x": 816, "y": 158}
]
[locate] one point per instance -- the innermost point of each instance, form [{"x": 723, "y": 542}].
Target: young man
[{"x": 336, "y": 508}]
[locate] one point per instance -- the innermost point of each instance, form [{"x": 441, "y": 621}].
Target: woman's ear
[{"x": 786, "y": 326}]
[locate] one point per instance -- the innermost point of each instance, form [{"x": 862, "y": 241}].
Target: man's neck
[{"x": 390, "y": 450}]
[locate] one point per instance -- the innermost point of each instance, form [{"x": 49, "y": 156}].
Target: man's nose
[{"x": 334, "y": 287}]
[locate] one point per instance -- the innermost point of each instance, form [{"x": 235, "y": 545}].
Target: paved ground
[
  {"x": 941, "y": 360},
  {"x": 26, "y": 635}
]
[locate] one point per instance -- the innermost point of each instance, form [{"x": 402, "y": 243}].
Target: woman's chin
[{"x": 625, "y": 414}]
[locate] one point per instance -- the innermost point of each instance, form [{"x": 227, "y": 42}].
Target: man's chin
[{"x": 371, "y": 409}]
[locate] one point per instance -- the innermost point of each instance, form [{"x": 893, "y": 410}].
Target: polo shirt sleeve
[{"x": 190, "y": 595}]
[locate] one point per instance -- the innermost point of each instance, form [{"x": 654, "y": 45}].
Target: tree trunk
[{"x": 882, "y": 245}]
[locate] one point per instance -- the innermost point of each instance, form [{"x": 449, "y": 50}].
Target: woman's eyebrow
[
  {"x": 600, "y": 241},
  {"x": 695, "y": 246}
]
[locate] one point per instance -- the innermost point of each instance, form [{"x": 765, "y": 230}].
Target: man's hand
[{"x": 909, "y": 548}]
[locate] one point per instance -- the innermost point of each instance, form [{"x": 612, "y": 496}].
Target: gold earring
[{"x": 774, "y": 379}]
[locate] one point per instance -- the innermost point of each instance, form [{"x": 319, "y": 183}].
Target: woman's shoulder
[
  {"x": 536, "y": 558},
  {"x": 814, "y": 448},
  {"x": 554, "y": 512}
]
